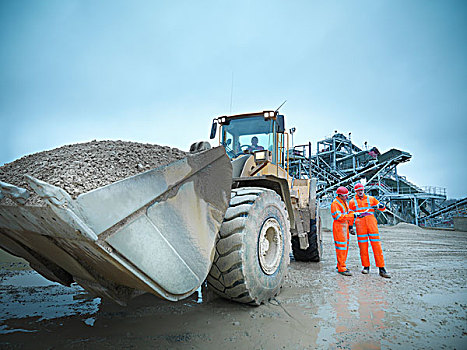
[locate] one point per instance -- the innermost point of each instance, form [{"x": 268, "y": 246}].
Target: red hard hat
[
  {"x": 358, "y": 186},
  {"x": 342, "y": 190}
]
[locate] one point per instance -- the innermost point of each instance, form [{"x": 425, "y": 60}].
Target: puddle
[
  {"x": 445, "y": 299},
  {"x": 26, "y": 279},
  {"x": 196, "y": 297},
  {"x": 4, "y": 330},
  {"x": 200, "y": 295},
  {"x": 28, "y": 294},
  {"x": 357, "y": 308},
  {"x": 90, "y": 321},
  {"x": 327, "y": 331}
]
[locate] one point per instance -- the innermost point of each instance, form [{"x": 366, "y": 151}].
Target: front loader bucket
[{"x": 152, "y": 232}]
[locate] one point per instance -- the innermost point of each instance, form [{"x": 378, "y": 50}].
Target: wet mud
[{"x": 423, "y": 305}]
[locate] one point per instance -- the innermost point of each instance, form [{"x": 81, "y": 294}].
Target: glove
[
  {"x": 352, "y": 230},
  {"x": 380, "y": 206},
  {"x": 362, "y": 215}
]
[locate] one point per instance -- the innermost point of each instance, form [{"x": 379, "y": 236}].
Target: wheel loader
[{"x": 228, "y": 214}]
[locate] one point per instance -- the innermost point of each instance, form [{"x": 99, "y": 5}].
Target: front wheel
[{"x": 252, "y": 250}]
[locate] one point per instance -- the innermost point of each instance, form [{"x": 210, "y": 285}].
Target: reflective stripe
[
  {"x": 365, "y": 235},
  {"x": 337, "y": 242},
  {"x": 363, "y": 241},
  {"x": 340, "y": 205},
  {"x": 374, "y": 240},
  {"x": 369, "y": 204},
  {"x": 340, "y": 211},
  {"x": 339, "y": 248},
  {"x": 374, "y": 234},
  {"x": 342, "y": 208},
  {"x": 367, "y": 207},
  {"x": 336, "y": 215}
]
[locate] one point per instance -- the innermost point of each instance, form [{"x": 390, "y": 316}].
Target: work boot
[
  {"x": 346, "y": 272},
  {"x": 366, "y": 270},
  {"x": 384, "y": 273}
]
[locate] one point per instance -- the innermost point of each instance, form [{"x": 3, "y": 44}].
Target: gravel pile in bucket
[{"x": 82, "y": 167}]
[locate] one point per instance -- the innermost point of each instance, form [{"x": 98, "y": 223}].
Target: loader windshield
[{"x": 238, "y": 135}]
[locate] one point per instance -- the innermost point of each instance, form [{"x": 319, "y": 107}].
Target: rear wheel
[
  {"x": 199, "y": 146},
  {"x": 252, "y": 250},
  {"x": 314, "y": 252}
]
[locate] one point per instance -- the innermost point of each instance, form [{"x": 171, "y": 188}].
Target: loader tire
[
  {"x": 252, "y": 249},
  {"x": 200, "y": 146},
  {"x": 314, "y": 252}
]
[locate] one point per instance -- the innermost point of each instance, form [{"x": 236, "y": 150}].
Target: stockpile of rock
[{"x": 82, "y": 167}]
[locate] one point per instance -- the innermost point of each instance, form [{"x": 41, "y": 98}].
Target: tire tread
[{"x": 227, "y": 277}]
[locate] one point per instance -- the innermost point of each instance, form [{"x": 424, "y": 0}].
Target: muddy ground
[{"x": 424, "y": 305}]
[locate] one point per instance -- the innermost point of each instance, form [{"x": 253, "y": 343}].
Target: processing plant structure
[{"x": 336, "y": 161}]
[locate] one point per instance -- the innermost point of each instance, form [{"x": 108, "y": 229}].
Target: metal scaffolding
[
  {"x": 338, "y": 162},
  {"x": 444, "y": 217}
]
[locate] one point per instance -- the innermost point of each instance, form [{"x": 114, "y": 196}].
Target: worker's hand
[
  {"x": 362, "y": 215},
  {"x": 357, "y": 215},
  {"x": 352, "y": 230},
  {"x": 380, "y": 206}
]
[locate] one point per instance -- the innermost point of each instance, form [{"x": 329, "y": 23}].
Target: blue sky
[{"x": 393, "y": 73}]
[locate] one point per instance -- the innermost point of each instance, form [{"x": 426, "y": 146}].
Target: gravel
[{"x": 82, "y": 167}]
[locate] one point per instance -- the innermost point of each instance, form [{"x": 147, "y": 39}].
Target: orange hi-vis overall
[
  {"x": 367, "y": 229},
  {"x": 340, "y": 230}
]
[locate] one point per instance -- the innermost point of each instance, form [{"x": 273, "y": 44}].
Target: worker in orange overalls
[
  {"x": 367, "y": 229},
  {"x": 342, "y": 220}
]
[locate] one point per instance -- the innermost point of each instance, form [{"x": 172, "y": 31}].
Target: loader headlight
[
  {"x": 268, "y": 114},
  {"x": 261, "y": 156}
]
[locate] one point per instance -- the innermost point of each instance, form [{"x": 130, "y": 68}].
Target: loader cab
[{"x": 236, "y": 133}]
